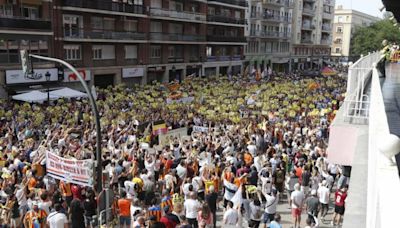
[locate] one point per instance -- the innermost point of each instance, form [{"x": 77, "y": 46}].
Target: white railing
[
  {"x": 383, "y": 181},
  {"x": 356, "y": 102},
  {"x": 177, "y": 14}
]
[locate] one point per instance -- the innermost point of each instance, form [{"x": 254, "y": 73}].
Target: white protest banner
[
  {"x": 165, "y": 139},
  {"x": 200, "y": 129},
  {"x": 73, "y": 171}
]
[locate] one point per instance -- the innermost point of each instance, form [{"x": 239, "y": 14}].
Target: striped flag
[{"x": 159, "y": 127}]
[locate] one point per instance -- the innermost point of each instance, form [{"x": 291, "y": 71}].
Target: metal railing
[
  {"x": 232, "y": 2},
  {"x": 80, "y": 33},
  {"x": 106, "y": 5},
  {"x": 194, "y": 16},
  {"x": 225, "y": 19},
  {"x": 176, "y": 37},
  {"x": 25, "y": 23},
  {"x": 309, "y": 11},
  {"x": 356, "y": 102}
]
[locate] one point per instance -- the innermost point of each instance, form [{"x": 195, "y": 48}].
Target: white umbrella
[
  {"x": 34, "y": 96},
  {"x": 68, "y": 93}
]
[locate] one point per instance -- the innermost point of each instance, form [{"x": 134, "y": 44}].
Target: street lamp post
[
  {"x": 98, "y": 177},
  {"x": 48, "y": 75}
]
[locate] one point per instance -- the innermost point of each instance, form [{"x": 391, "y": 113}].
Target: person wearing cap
[
  {"x": 312, "y": 204},
  {"x": 323, "y": 195},
  {"x": 35, "y": 218},
  {"x": 297, "y": 200}
]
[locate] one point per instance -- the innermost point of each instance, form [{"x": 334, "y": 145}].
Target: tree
[{"x": 369, "y": 39}]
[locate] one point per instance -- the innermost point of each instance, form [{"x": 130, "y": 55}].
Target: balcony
[
  {"x": 176, "y": 14},
  {"x": 14, "y": 58},
  {"x": 234, "y": 39},
  {"x": 326, "y": 28},
  {"x": 242, "y": 3},
  {"x": 102, "y": 34},
  {"x": 224, "y": 58},
  {"x": 106, "y": 5},
  {"x": 279, "y": 3},
  {"x": 308, "y": 27},
  {"x": 289, "y": 4},
  {"x": 309, "y": 11},
  {"x": 158, "y": 36},
  {"x": 24, "y": 23},
  {"x": 327, "y": 15},
  {"x": 225, "y": 19},
  {"x": 326, "y": 42},
  {"x": 306, "y": 41},
  {"x": 269, "y": 34}
]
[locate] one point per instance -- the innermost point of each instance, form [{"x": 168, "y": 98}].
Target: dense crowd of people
[{"x": 262, "y": 143}]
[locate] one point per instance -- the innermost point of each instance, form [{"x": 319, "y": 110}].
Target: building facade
[
  {"x": 24, "y": 25},
  {"x": 346, "y": 21},
  {"x": 312, "y": 33},
  {"x": 269, "y": 32},
  {"x": 126, "y": 41}
]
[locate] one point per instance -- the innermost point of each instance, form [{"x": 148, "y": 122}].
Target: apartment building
[
  {"x": 140, "y": 41},
  {"x": 121, "y": 41},
  {"x": 24, "y": 25},
  {"x": 312, "y": 33},
  {"x": 346, "y": 21},
  {"x": 269, "y": 32}
]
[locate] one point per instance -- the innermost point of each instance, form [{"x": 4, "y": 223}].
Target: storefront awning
[{"x": 281, "y": 61}]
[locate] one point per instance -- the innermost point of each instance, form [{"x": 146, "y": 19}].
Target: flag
[
  {"x": 237, "y": 199},
  {"x": 159, "y": 127}
]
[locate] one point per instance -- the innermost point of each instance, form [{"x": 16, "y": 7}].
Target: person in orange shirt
[
  {"x": 32, "y": 181},
  {"x": 124, "y": 211}
]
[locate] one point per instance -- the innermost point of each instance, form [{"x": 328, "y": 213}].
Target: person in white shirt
[
  {"x": 231, "y": 216},
  {"x": 297, "y": 198},
  {"x": 57, "y": 219},
  {"x": 181, "y": 170},
  {"x": 192, "y": 207},
  {"x": 270, "y": 206},
  {"x": 323, "y": 195},
  {"x": 45, "y": 203},
  {"x": 230, "y": 190}
]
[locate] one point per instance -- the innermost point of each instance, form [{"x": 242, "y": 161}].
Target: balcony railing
[
  {"x": 308, "y": 27},
  {"x": 309, "y": 11},
  {"x": 106, "y": 5},
  {"x": 14, "y": 58},
  {"x": 225, "y": 19},
  {"x": 103, "y": 34},
  {"x": 231, "y": 2},
  {"x": 217, "y": 38},
  {"x": 306, "y": 41},
  {"x": 326, "y": 41},
  {"x": 176, "y": 14},
  {"x": 269, "y": 34},
  {"x": 224, "y": 58},
  {"x": 176, "y": 37},
  {"x": 326, "y": 28},
  {"x": 25, "y": 23},
  {"x": 276, "y": 2},
  {"x": 327, "y": 15}
]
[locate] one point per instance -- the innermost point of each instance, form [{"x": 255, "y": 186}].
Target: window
[
  {"x": 237, "y": 14},
  {"x": 6, "y": 10},
  {"x": 30, "y": 12},
  {"x": 176, "y": 6},
  {"x": 130, "y": 52},
  {"x": 175, "y": 51},
  {"x": 72, "y": 25},
  {"x": 175, "y": 28},
  {"x": 155, "y": 51},
  {"x": 96, "y": 23},
  {"x": 340, "y": 19},
  {"x": 155, "y": 27},
  {"x": 211, "y": 11},
  {"x": 130, "y": 25},
  {"x": 109, "y": 24},
  {"x": 339, "y": 29},
  {"x": 72, "y": 52},
  {"x": 156, "y": 4},
  {"x": 337, "y": 50},
  {"x": 103, "y": 52}
]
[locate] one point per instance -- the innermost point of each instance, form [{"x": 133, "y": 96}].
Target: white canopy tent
[
  {"x": 34, "y": 96},
  {"x": 68, "y": 93}
]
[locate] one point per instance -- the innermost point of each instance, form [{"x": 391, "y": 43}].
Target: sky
[{"x": 366, "y": 6}]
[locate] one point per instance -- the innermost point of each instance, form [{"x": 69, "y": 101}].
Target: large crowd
[{"x": 262, "y": 143}]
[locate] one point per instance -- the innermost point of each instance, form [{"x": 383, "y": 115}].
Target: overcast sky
[{"x": 366, "y": 6}]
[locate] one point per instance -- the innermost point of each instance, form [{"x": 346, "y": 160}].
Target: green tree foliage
[{"x": 369, "y": 39}]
